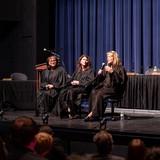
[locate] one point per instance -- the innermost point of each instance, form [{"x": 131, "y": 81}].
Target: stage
[{"x": 142, "y": 124}]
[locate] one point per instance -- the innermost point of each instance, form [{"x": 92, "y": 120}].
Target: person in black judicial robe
[
  {"x": 52, "y": 79},
  {"x": 70, "y": 98},
  {"x": 110, "y": 81}
]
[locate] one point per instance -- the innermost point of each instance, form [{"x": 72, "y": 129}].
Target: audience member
[
  {"x": 75, "y": 156},
  {"x": 57, "y": 150},
  {"x": 136, "y": 150},
  {"x": 3, "y": 150},
  {"x": 23, "y": 131},
  {"x": 104, "y": 142},
  {"x": 44, "y": 143},
  {"x": 153, "y": 154}
]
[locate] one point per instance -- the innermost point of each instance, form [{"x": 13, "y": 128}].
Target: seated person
[
  {"x": 111, "y": 81},
  {"x": 43, "y": 144},
  {"x": 22, "y": 142},
  {"x": 70, "y": 99},
  {"x": 136, "y": 149},
  {"x": 104, "y": 142},
  {"x": 52, "y": 79}
]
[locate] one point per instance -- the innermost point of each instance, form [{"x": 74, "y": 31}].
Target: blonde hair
[
  {"x": 44, "y": 143},
  {"x": 116, "y": 59}
]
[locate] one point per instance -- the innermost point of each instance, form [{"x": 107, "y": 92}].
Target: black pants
[{"x": 96, "y": 100}]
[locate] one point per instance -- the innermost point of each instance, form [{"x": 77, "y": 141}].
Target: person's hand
[
  {"x": 99, "y": 71},
  {"x": 49, "y": 86},
  {"x": 75, "y": 82},
  {"x": 108, "y": 69}
]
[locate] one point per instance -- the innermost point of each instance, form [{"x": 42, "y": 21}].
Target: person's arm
[
  {"x": 61, "y": 78},
  {"x": 119, "y": 77},
  {"x": 44, "y": 80}
]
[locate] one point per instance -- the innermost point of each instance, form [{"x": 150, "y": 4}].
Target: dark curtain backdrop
[{"x": 131, "y": 27}]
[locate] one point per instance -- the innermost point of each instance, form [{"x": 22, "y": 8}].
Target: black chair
[
  {"x": 115, "y": 101},
  {"x": 19, "y": 76},
  {"x": 112, "y": 101},
  {"x": 84, "y": 106}
]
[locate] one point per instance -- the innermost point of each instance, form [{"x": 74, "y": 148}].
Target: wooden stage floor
[{"x": 142, "y": 126}]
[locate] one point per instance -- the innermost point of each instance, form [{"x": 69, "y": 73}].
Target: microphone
[
  {"x": 51, "y": 52},
  {"x": 103, "y": 65},
  {"x": 101, "y": 69},
  {"x": 46, "y": 50}
]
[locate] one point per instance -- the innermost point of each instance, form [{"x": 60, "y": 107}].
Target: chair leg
[
  {"x": 112, "y": 110},
  {"x": 80, "y": 112}
]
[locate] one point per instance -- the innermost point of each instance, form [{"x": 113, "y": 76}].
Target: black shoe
[
  {"x": 90, "y": 119},
  {"x": 76, "y": 116},
  {"x": 70, "y": 116},
  {"x": 86, "y": 119}
]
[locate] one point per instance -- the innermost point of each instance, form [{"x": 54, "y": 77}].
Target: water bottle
[
  {"x": 155, "y": 69},
  {"x": 121, "y": 116}
]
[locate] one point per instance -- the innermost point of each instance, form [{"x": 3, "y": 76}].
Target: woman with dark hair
[
  {"x": 70, "y": 99},
  {"x": 52, "y": 79},
  {"x": 111, "y": 81}
]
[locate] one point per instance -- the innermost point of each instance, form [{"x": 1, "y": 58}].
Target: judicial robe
[
  {"x": 47, "y": 97},
  {"x": 106, "y": 85},
  {"x": 71, "y": 96}
]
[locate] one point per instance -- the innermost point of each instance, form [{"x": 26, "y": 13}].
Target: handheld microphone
[
  {"x": 103, "y": 65},
  {"x": 101, "y": 69}
]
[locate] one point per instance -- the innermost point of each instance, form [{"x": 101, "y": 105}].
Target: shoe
[
  {"x": 90, "y": 119},
  {"x": 69, "y": 116},
  {"x": 76, "y": 116},
  {"x": 86, "y": 119}
]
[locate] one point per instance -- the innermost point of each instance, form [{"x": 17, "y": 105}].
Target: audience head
[
  {"x": 44, "y": 143},
  {"x": 58, "y": 143},
  {"x": 3, "y": 151},
  {"x": 113, "y": 58},
  {"x": 75, "y": 156},
  {"x": 153, "y": 154},
  {"x": 23, "y": 130},
  {"x": 136, "y": 150},
  {"x": 103, "y": 141},
  {"x": 47, "y": 129}
]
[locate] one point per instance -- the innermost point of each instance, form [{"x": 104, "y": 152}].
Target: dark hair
[
  {"x": 136, "y": 150},
  {"x": 23, "y": 130},
  {"x": 153, "y": 154},
  {"x": 79, "y": 65}
]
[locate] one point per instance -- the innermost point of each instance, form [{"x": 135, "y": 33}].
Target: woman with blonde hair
[{"x": 111, "y": 80}]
